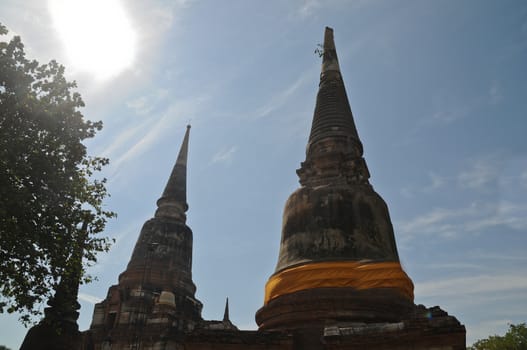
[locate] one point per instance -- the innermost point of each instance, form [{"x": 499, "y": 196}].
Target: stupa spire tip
[
  {"x": 328, "y": 38},
  {"x": 173, "y": 202},
  {"x": 330, "y": 61},
  {"x": 226, "y": 312}
]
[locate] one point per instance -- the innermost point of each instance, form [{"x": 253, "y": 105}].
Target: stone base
[
  {"x": 316, "y": 307},
  {"x": 425, "y": 329}
]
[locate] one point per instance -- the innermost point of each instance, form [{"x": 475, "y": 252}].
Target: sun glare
[{"x": 97, "y": 35}]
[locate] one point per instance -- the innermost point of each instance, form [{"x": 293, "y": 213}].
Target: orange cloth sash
[{"x": 356, "y": 274}]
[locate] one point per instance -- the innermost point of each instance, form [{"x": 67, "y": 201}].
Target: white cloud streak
[
  {"x": 92, "y": 299},
  {"x": 156, "y": 17},
  {"x": 224, "y": 156},
  {"x": 495, "y": 94},
  {"x": 155, "y": 129},
  {"x": 450, "y": 115},
  {"x": 454, "y": 266},
  {"x": 121, "y": 139},
  {"x": 468, "y": 285},
  {"x": 281, "y": 98},
  {"x": 487, "y": 175},
  {"x": 450, "y": 112},
  {"x": 145, "y": 104},
  {"x": 308, "y": 7},
  {"x": 484, "y": 173},
  {"x": 471, "y": 219},
  {"x": 486, "y": 255},
  {"x": 523, "y": 179},
  {"x": 436, "y": 182}
]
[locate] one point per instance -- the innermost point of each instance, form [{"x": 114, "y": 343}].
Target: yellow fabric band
[{"x": 355, "y": 274}]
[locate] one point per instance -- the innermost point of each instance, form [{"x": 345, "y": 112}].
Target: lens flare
[{"x": 97, "y": 35}]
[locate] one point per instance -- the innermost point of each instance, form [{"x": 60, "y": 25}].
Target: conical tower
[
  {"x": 156, "y": 292},
  {"x": 338, "y": 258}
]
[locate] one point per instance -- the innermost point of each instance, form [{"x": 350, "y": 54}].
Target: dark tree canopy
[
  {"x": 514, "y": 339},
  {"x": 47, "y": 190}
]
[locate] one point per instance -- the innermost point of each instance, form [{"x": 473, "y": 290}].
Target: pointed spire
[
  {"x": 332, "y": 117},
  {"x": 330, "y": 61},
  {"x": 226, "y": 313},
  {"x": 173, "y": 202},
  {"x": 334, "y": 150}
]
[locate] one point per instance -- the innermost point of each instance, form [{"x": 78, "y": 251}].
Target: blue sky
[{"x": 439, "y": 94}]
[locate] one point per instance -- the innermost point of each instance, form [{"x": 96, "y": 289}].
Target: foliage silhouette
[
  {"x": 47, "y": 189},
  {"x": 514, "y": 339}
]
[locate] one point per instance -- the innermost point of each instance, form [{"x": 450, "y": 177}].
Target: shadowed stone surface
[{"x": 336, "y": 223}]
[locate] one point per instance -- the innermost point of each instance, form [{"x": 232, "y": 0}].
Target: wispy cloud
[
  {"x": 509, "y": 214},
  {"x": 474, "y": 218},
  {"x": 451, "y": 109},
  {"x": 145, "y": 142},
  {"x": 449, "y": 112},
  {"x": 523, "y": 179},
  {"x": 437, "y": 221},
  {"x": 472, "y": 285},
  {"x": 308, "y": 7},
  {"x": 89, "y": 298},
  {"x": 495, "y": 94},
  {"x": 454, "y": 266},
  {"x": 435, "y": 183},
  {"x": 156, "y": 17},
  {"x": 224, "y": 156},
  {"x": 281, "y": 98},
  {"x": 449, "y": 115},
  {"x": 122, "y": 138},
  {"x": 486, "y": 255},
  {"x": 173, "y": 114},
  {"x": 482, "y": 174},
  {"x": 145, "y": 104}
]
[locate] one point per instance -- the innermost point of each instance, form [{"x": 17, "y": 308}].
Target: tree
[
  {"x": 47, "y": 189},
  {"x": 514, "y": 339}
]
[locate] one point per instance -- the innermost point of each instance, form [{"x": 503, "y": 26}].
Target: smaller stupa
[{"x": 155, "y": 297}]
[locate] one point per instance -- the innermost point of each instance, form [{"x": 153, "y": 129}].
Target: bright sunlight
[{"x": 97, "y": 35}]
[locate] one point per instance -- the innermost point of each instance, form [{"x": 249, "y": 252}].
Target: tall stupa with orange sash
[{"x": 338, "y": 260}]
